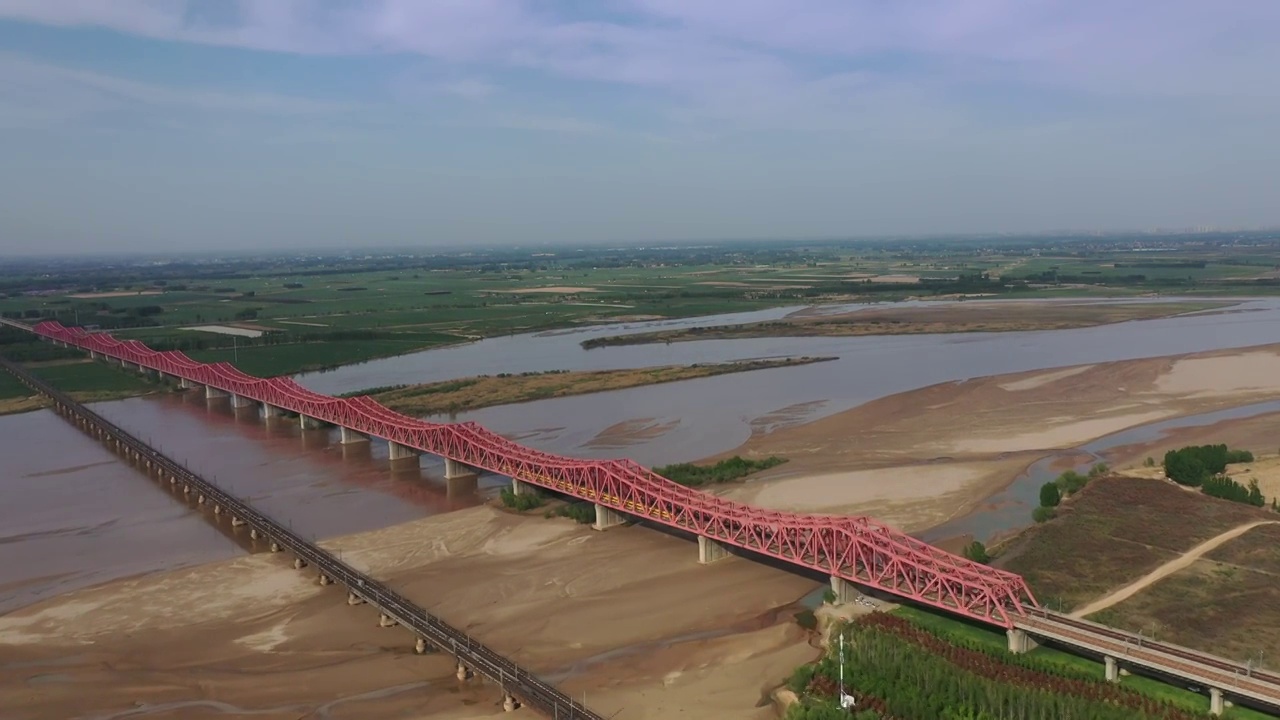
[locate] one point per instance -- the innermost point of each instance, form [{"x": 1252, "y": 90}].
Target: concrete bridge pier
[
  {"x": 385, "y": 620},
  {"x": 1216, "y": 706},
  {"x": 270, "y": 411},
  {"x": 309, "y": 423},
  {"x": 454, "y": 469},
  {"x": 1020, "y": 642},
  {"x": 236, "y": 522},
  {"x": 185, "y": 384},
  {"x": 253, "y": 533},
  {"x": 213, "y": 393},
  {"x": 299, "y": 563},
  {"x": 324, "y": 579},
  {"x": 420, "y": 646},
  {"x": 844, "y": 590},
  {"x": 509, "y": 703},
  {"x": 239, "y": 401},
  {"x": 710, "y": 550},
  {"x": 350, "y": 437},
  {"x": 354, "y": 599},
  {"x": 396, "y": 451},
  {"x": 93, "y": 355},
  {"x": 1112, "y": 669},
  {"x": 606, "y": 517},
  {"x": 463, "y": 672},
  {"x": 275, "y": 546}
]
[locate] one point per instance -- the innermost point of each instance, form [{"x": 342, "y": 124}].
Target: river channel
[
  {"x": 74, "y": 515},
  {"x": 698, "y": 418}
]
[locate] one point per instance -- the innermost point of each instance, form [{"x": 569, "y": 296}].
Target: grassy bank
[
  {"x": 484, "y": 391},
  {"x": 1006, "y": 316}
]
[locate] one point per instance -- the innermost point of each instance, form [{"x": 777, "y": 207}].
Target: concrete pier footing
[
  {"x": 606, "y": 517},
  {"x": 710, "y": 550},
  {"x": 350, "y": 437},
  {"x": 236, "y": 522},
  {"x": 239, "y": 401},
  {"x": 1112, "y": 671},
  {"x": 309, "y": 423},
  {"x": 324, "y": 579},
  {"x": 275, "y": 546},
  {"x": 270, "y": 411},
  {"x": 396, "y": 451},
  {"x": 844, "y": 590},
  {"x": 454, "y": 469},
  {"x": 184, "y": 383},
  {"x": 354, "y": 599},
  {"x": 211, "y": 392},
  {"x": 1020, "y": 642},
  {"x": 299, "y": 563},
  {"x": 1216, "y": 706},
  {"x": 385, "y": 620},
  {"x": 509, "y": 703},
  {"x": 420, "y": 646},
  {"x": 463, "y": 672}
]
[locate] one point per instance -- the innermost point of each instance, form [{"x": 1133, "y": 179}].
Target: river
[
  {"x": 693, "y": 419},
  {"x": 74, "y": 515}
]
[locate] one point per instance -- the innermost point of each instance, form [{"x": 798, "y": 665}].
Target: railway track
[
  {"x": 1191, "y": 665},
  {"x": 474, "y": 655}
]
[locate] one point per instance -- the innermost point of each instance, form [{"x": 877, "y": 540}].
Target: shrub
[
  {"x": 1071, "y": 482},
  {"x": 583, "y": 512},
  {"x": 977, "y": 552},
  {"x": 1043, "y": 514},
  {"x": 527, "y": 500},
  {"x": 1050, "y": 496}
]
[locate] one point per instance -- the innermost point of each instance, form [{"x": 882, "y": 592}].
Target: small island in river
[
  {"x": 974, "y": 316},
  {"x": 450, "y": 396}
]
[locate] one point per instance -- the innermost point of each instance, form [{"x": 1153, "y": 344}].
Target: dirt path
[{"x": 1167, "y": 569}]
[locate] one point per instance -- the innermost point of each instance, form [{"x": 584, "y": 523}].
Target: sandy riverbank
[
  {"x": 603, "y": 613},
  {"x": 919, "y": 458}
]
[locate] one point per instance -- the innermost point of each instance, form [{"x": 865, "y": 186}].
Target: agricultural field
[
  {"x": 912, "y": 664},
  {"x": 1112, "y": 532}
]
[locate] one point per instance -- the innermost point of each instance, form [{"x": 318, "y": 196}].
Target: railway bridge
[
  {"x": 854, "y": 552},
  {"x": 518, "y": 685}
]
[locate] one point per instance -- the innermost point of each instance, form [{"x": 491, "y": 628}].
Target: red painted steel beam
[{"x": 858, "y": 549}]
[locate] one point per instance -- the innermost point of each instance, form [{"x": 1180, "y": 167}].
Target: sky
[{"x": 146, "y": 125}]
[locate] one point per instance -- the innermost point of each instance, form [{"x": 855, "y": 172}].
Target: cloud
[
  {"x": 758, "y": 63},
  {"x": 34, "y": 93}
]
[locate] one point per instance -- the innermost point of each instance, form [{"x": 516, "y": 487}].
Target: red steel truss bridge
[{"x": 856, "y": 549}]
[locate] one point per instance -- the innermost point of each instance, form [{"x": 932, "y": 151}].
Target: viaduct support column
[
  {"x": 238, "y": 401},
  {"x": 1216, "y": 706},
  {"x": 354, "y": 599},
  {"x": 183, "y": 383},
  {"x": 350, "y": 437},
  {"x": 454, "y": 469},
  {"x": 420, "y": 646},
  {"x": 385, "y": 620},
  {"x": 269, "y": 411},
  {"x": 606, "y": 517},
  {"x": 211, "y": 392},
  {"x": 463, "y": 672},
  {"x": 396, "y": 451},
  {"x": 710, "y": 550},
  {"x": 1020, "y": 642},
  {"x": 1112, "y": 670},
  {"x": 509, "y": 702},
  {"x": 844, "y": 590},
  {"x": 309, "y": 423}
]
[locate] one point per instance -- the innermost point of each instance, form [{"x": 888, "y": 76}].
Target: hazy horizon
[{"x": 144, "y": 126}]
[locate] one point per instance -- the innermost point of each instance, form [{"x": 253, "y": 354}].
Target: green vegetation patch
[
  {"x": 724, "y": 471},
  {"x": 91, "y": 380},
  {"x": 906, "y": 665}
]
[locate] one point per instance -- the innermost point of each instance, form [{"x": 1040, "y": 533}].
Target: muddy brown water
[{"x": 74, "y": 514}]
